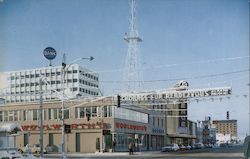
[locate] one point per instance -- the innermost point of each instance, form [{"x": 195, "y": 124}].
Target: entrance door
[
  {"x": 78, "y": 143},
  {"x": 51, "y": 139},
  {"x": 25, "y": 139}
]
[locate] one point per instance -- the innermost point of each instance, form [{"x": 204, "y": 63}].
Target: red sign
[
  {"x": 97, "y": 125},
  {"x": 130, "y": 127}
]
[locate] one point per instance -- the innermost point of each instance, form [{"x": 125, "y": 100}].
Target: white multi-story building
[{"x": 23, "y": 85}]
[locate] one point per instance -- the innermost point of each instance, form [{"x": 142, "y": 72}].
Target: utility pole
[{"x": 62, "y": 111}]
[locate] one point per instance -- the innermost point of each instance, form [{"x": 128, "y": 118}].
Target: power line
[
  {"x": 177, "y": 64},
  {"x": 184, "y": 78}
]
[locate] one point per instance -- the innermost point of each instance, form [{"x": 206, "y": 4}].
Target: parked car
[
  {"x": 170, "y": 147},
  {"x": 198, "y": 145},
  {"x": 188, "y": 147},
  {"x": 10, "y": 154},
  {"x": 51, "y": 148},
  {"x": 31, "y": 149},
  {"x": 182, "y": 147}
]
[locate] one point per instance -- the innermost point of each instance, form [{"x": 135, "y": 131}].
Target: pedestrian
[
  {"x": 133, "y": 148},
  {"x": 130, "y": 148},
  {"x": 114, "y": 144}
]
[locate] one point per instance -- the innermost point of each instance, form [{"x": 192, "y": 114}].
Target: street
[{"x": 235, "y": 152}]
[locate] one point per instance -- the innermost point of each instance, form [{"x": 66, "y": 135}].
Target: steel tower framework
[{"x": 132, "y": 71}]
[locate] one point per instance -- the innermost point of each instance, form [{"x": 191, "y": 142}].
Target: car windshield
[{"x": 170, "y": 145}]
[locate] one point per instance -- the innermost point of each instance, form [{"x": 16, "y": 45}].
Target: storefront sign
[
  {"x": 97, "y": 125},
  {"x": 130, "y": 127}
]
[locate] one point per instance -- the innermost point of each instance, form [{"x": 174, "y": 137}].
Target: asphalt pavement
[{"x": 235, "y": 152}]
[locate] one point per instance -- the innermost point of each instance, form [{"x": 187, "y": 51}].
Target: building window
[
  {"x": 1, "y": 116},
  {"x": 74, "y": 80},
  {"x": 88, "y": 111},
  {"x": 94, "y": 111},
  {"x": 105, "y": 111},
  {"x": 110, "y": 111},
  {"x": 66, "y": 114},
  {"x": 74, "y": 71},
  {"x": 6, "y": 115},
  {"x": 53, "y": 114},
  {"x": 35, "y": 114},
  {"x": 82, "y": 112}
]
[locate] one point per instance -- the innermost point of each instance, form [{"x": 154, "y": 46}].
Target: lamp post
[
  {"x": 64, "y": 70},
  {"x": 41, "y": 118},
  {"x": 49, "y": 53}
]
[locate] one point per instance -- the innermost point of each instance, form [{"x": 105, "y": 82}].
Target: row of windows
[
  {"x": 27, "y": 100},
  {"x": 58, "y": 73},
  {"x": 54, "y": 113},
  {"x": 55, "y": 82},
  {"x": 100, "y": 111},
  {"x": 158, "y": 122},
  {"x": 88, "y": 91},
  {"x": 80, "y": 112},
  {"x": 87, "y": 83},
  {"x": 88, "y": 75}
]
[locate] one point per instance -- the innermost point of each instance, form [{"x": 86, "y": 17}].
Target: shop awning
[{"x": 182, "y": 136}]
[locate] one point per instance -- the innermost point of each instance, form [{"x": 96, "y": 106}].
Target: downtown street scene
[{"x": 124, "y": 79}]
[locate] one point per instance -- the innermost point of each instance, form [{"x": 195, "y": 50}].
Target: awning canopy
[
  {"x": 10, "y": 127},
  {"x": 182, "y": 136}
]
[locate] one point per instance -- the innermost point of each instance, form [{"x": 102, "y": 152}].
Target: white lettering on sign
[{"x": 178, "y": 94}]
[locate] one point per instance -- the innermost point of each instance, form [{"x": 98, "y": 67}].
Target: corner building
[{"x": 107, "y": 123}]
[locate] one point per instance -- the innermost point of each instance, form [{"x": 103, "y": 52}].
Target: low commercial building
[{"x": 96, "y": 125}]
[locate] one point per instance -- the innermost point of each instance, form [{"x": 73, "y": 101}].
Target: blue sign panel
[{"x": 49, "y": 53}]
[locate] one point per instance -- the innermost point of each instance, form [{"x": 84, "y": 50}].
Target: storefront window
[{"x": 131, "y": 115}]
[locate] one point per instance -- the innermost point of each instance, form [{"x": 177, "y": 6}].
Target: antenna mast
[{"x": 132, "y": 72}]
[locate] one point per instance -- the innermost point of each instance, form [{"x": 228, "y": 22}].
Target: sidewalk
[{"x": 103, "y": 154}]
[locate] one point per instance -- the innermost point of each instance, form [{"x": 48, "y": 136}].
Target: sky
[{"x": 204, "y": 42}]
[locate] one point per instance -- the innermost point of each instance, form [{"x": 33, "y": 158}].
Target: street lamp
[{"x": 64, "y": 70}]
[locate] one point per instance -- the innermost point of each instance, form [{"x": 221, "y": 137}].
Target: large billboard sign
[{"x": 175, "y": 94}]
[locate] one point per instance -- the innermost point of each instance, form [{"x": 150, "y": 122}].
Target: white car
[
  {"x": 170, "y": 147},
  {"x": 10, "y": 154},
  {"x": 188, "y": 147},
  {"x": 31, "y": 149}
]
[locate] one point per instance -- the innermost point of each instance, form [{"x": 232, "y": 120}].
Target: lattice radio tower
[{"x": 132, "y": 71}]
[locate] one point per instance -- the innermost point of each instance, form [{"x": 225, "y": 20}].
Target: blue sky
[{"x": 199, "y": 37}]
